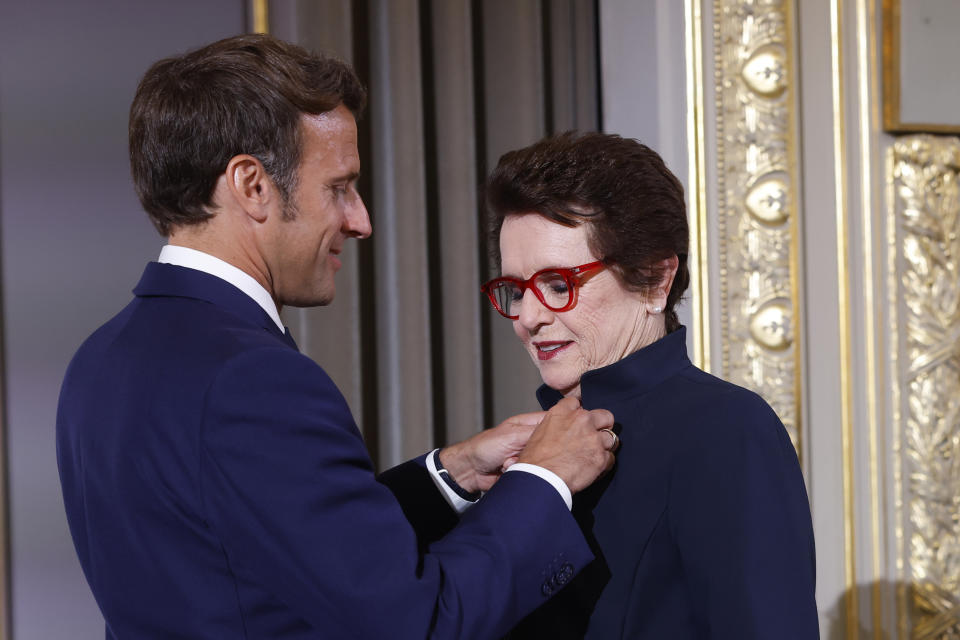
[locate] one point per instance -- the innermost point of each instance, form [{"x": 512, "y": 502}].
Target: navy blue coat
[
  {"x": 217, "y": 487},
  {"x": 703, "y": 528}
]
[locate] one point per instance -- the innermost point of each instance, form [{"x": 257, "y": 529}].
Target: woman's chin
[
  {"x": 564, "y": 386},
  {"x": 557, "y": 374}
]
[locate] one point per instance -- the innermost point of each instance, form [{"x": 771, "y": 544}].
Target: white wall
[{"x": 643, "y": 79}]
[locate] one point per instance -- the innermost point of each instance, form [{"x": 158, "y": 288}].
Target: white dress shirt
[{"x": 193, "y": 259}]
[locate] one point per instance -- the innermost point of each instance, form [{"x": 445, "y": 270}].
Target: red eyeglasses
[{"x": 556, "y": 288}]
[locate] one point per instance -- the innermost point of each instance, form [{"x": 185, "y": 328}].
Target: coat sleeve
[
  {"x": 738, "y": 510},
  {"x": 425, "y": 508},
  {"x": 289, "y": 489}
]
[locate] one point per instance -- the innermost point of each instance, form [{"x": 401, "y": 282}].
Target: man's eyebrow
[{"x": 353, "y": 176}]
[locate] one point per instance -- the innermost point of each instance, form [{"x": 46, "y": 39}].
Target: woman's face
[{"x": 608, "y": 322}]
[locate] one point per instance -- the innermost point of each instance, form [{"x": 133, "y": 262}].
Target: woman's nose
[{"x": 532, "y": 312}]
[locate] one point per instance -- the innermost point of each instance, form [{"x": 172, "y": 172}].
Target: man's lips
[
  {"x": 551, "y": 348},
  {"x": 334, "y": 259}
]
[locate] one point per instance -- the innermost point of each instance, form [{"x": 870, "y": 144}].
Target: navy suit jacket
[
  {"x": 703, "y": 529},
  {"x": 217, "y": 487}
]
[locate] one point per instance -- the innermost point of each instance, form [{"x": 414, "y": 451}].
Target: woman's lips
[{"x": 548, "y": 350}]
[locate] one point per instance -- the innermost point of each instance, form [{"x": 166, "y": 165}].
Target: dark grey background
[{"x": 74, "y": 240}]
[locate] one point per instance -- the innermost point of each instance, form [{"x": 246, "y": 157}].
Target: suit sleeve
[
  {"x": 289, "y": 489},
  {"x": 425, "y": 508},
  {"x": 740, "y": 516}
]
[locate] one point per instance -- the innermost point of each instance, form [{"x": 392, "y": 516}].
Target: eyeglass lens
[{"x": 555, "y": 292}]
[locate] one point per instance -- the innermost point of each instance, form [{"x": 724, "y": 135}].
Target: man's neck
[
  {"x": 196, "y": 258},
  {"x": 225, "y": 246}
]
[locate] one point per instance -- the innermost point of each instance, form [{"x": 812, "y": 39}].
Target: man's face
[{"x": 324, "y": 210}]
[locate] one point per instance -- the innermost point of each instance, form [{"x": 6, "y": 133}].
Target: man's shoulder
[
  {"x": 170, "y": 345},
  {"x": 164, "y": 328},
  {"x": 165, "y": 360}
]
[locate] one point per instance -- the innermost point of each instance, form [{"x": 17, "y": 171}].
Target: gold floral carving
[
  {"x": 757, "y": 183},
  {"x": 926, "y": 210}
]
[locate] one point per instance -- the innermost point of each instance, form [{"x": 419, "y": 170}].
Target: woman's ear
[{"x": 658, "y": 296}]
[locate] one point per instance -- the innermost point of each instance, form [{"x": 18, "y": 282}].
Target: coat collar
[
  {"x": 634, "y": 375},
  {"x": 182, "y": 282}
]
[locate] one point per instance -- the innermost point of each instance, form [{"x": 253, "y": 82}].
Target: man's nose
[{"x": 356, "y": 223}]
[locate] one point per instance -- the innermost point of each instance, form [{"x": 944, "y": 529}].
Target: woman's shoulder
[
  {"x": 709, "y": 409},
  {"x": 694, "y": 391}
]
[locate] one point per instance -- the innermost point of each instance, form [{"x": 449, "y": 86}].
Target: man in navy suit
[{"x": 215, "y": 483}]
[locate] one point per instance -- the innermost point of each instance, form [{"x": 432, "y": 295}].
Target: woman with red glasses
[{"x": 703, "y": 528}]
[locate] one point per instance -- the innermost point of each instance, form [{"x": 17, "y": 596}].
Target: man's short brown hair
[{"x": 243, "y": 95}]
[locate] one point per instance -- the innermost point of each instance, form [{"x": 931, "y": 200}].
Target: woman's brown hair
[{"x": 633, "y": 204}]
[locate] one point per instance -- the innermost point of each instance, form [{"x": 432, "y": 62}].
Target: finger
[
  {"x": 566, "y": 405},
  {"x": 611, "y": 439},
  {"x": 611, "y": 460},
  {"x": 602, "y": 419},
  {"x": 608, "y": 461},
  {"x": 531, "y": 419},
  {"x": 509, "y": 462},
  {"x": 519, "y": 438},
  {"x": 522, "y": 431}
]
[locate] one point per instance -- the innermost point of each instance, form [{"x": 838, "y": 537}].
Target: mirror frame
[{"x": 892, "y": 116}]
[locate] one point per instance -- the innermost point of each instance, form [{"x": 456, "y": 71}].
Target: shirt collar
[
  {"x": 634, "y": 375},
  {"x": 193, "y": 259}
]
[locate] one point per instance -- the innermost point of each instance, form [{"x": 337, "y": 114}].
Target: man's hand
[
  {"x": 476, "y": 463},
  {"x": 570, "y": 442}
]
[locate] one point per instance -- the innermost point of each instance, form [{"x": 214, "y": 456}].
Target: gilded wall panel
[
  {"x": 925, "y": 184},
  {"x": 757, "y": 209}
]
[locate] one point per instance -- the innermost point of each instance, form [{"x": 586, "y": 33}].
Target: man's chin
[{"x": 317, "y": 299}]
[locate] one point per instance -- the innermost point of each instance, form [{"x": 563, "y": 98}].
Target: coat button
[{"x": 547, "y": 588}]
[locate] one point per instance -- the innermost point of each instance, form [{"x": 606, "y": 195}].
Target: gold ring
[{"x": 616, "y": 439}]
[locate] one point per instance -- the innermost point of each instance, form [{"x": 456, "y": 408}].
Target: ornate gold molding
[
  {"x": 844, "y": 314},
  {"x": 925, "y": 239},
  {"x": 866, "y": 46},
  {"x": 697, "y": 190},
  {"x": 757, "y": 189}
]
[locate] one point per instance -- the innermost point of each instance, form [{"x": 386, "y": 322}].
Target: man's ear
[{"x": 250, "y": 186}]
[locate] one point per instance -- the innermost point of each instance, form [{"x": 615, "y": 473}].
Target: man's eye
[{"x": 339, "y": 189}]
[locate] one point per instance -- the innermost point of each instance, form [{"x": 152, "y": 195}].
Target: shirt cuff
[
  {"x": 547, "y": 475},
  {"x": 456, "y": 503}
]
